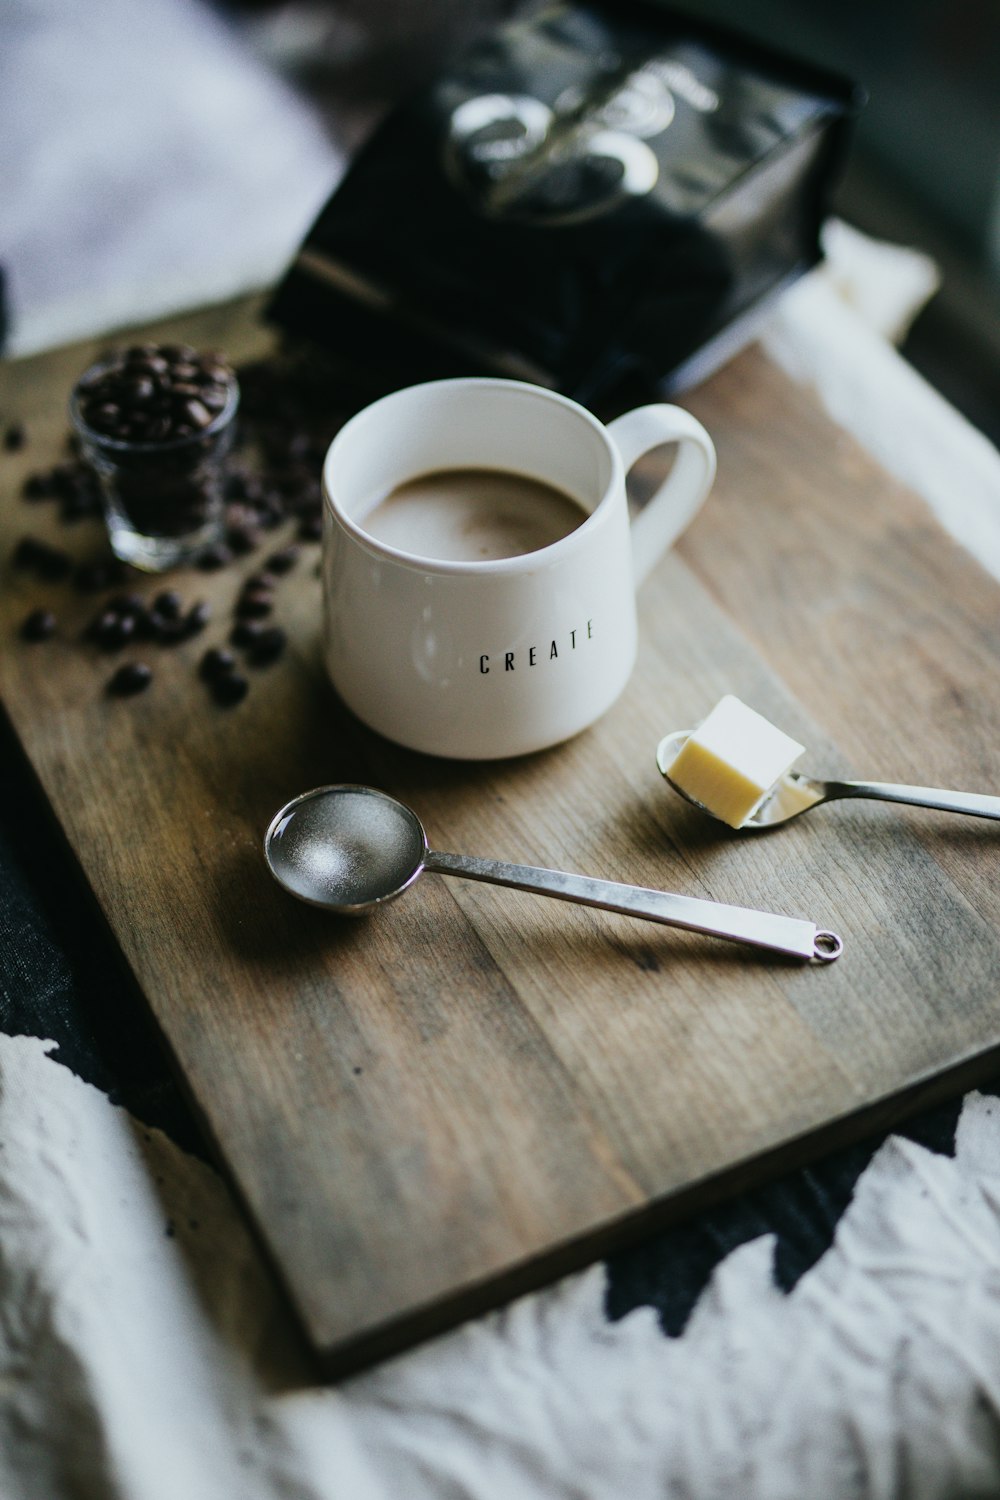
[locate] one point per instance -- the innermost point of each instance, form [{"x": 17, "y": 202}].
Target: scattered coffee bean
[
  {"x": 272, "y": 514},
  {"x": 261, "y": 580},
  {"x": 168, "y": 604},
  {"x": 48, "y": 562},
  {"x": 211, "y": 559},
  {"x": 241, "y": 539},
  {"x": 166, "y": 632},
  {"x": 197, "y": 618},
  {"x": 254, "y": 604},
  {"x": 246, "y": 633},
  {"x": 112, "y": 630},
  {"x": 229, "y": 688},
  {"x": 268, "y": 646},
  {"x": 15, "y": 437},
  {"x": 216, "y": 662},
  {"x": 73, "y": 484},
  {"x": 311, "y": 528},
  {"x": 39, "y": 625},
  {"x": 134, "y": 677},
  {"x": 283, "y": 561}
]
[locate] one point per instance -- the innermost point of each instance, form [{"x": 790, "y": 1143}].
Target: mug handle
[{"x": 679, "y": 498}]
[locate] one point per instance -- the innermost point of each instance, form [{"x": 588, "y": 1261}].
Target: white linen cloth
[{"x": 144, "y": 1354}]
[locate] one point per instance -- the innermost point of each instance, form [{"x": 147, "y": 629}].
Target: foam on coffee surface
[{"x": 473, "y": 515}]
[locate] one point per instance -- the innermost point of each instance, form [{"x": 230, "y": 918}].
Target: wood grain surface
[{"x": 427, "y": 1111}]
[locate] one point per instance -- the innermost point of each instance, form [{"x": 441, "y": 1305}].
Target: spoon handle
[
  {"x": 740, "y": 924},
  {"x": 974, "y": 803}
]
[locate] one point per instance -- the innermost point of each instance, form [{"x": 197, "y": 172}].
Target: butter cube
[{"x": 732, "y": 760}]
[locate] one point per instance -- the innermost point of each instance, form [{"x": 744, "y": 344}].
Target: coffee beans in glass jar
[{"x": 155, "y": 422}]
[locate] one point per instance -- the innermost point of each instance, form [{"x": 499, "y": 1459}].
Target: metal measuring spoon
[
  {"x": 351, "y": 848},
  {"x": 795, "y": 794}
]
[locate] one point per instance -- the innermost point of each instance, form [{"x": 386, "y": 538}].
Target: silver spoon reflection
[
  {"x": 795, "y": 794},
  {"x": 351, "y": 848}
]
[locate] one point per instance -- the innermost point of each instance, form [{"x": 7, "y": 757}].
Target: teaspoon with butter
[{"x": 736, "y": 767}]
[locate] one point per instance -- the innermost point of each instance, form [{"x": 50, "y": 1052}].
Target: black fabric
[
  {"x": 62, "y": 976},
  {"x": 802, "y": 1209}
]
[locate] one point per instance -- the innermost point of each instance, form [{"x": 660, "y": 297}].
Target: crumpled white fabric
[{"x": 145, "y": 1355}]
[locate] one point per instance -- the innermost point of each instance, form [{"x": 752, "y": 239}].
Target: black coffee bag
[{"x": 595, "y": 199}]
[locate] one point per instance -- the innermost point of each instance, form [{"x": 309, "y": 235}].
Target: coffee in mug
[
  {"x": 479, "y": 565},
  {"x": 473, "y": 515}
]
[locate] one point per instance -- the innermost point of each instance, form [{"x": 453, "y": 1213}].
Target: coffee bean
[
  {"x": 214, "y": 557},
  {"x": 272, "y": 514},
  {"x": 103, "y": 414},
  {"x": 216, "y": 662},
  {"x": 246, "y": 632},
  {"x": 229, "y": 688},
  {"x": 39, "y": 625},
  {"x": 197, "y": 618},
  {"x": 48, "y": 562},
  {"x": 283, "y": 561},
  {"x": 153, "y": 365},
  {"x": 254, "y": 604},
  {"x": 139, "y": 390},
  {"x": 112, "y": 631},
  {"x": 242, "y": 539},
  {"x": 168, "y": 604},
  {"x": 268, "y": 646},
  {"x": 197, "y": 413},
  {"x": 134, "y": 677},
  {"x": 262, "y": 580},
  {"x": 15, "y": 437},
  {"x": 36, "y": 487},
  {"x": 311, "y": 528}
]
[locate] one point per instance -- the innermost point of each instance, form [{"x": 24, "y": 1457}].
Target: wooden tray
[{"x": 430, "y": 1110}]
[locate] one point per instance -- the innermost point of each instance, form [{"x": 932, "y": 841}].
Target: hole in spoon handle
[{"x": 827, "y": 946}]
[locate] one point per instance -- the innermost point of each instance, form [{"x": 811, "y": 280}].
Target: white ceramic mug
[{"x": 483, "y": 659}]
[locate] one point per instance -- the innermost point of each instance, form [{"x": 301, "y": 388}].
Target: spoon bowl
[
  {"x": 350, "y": 849},
  {"x": 345, "y": 848}
]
